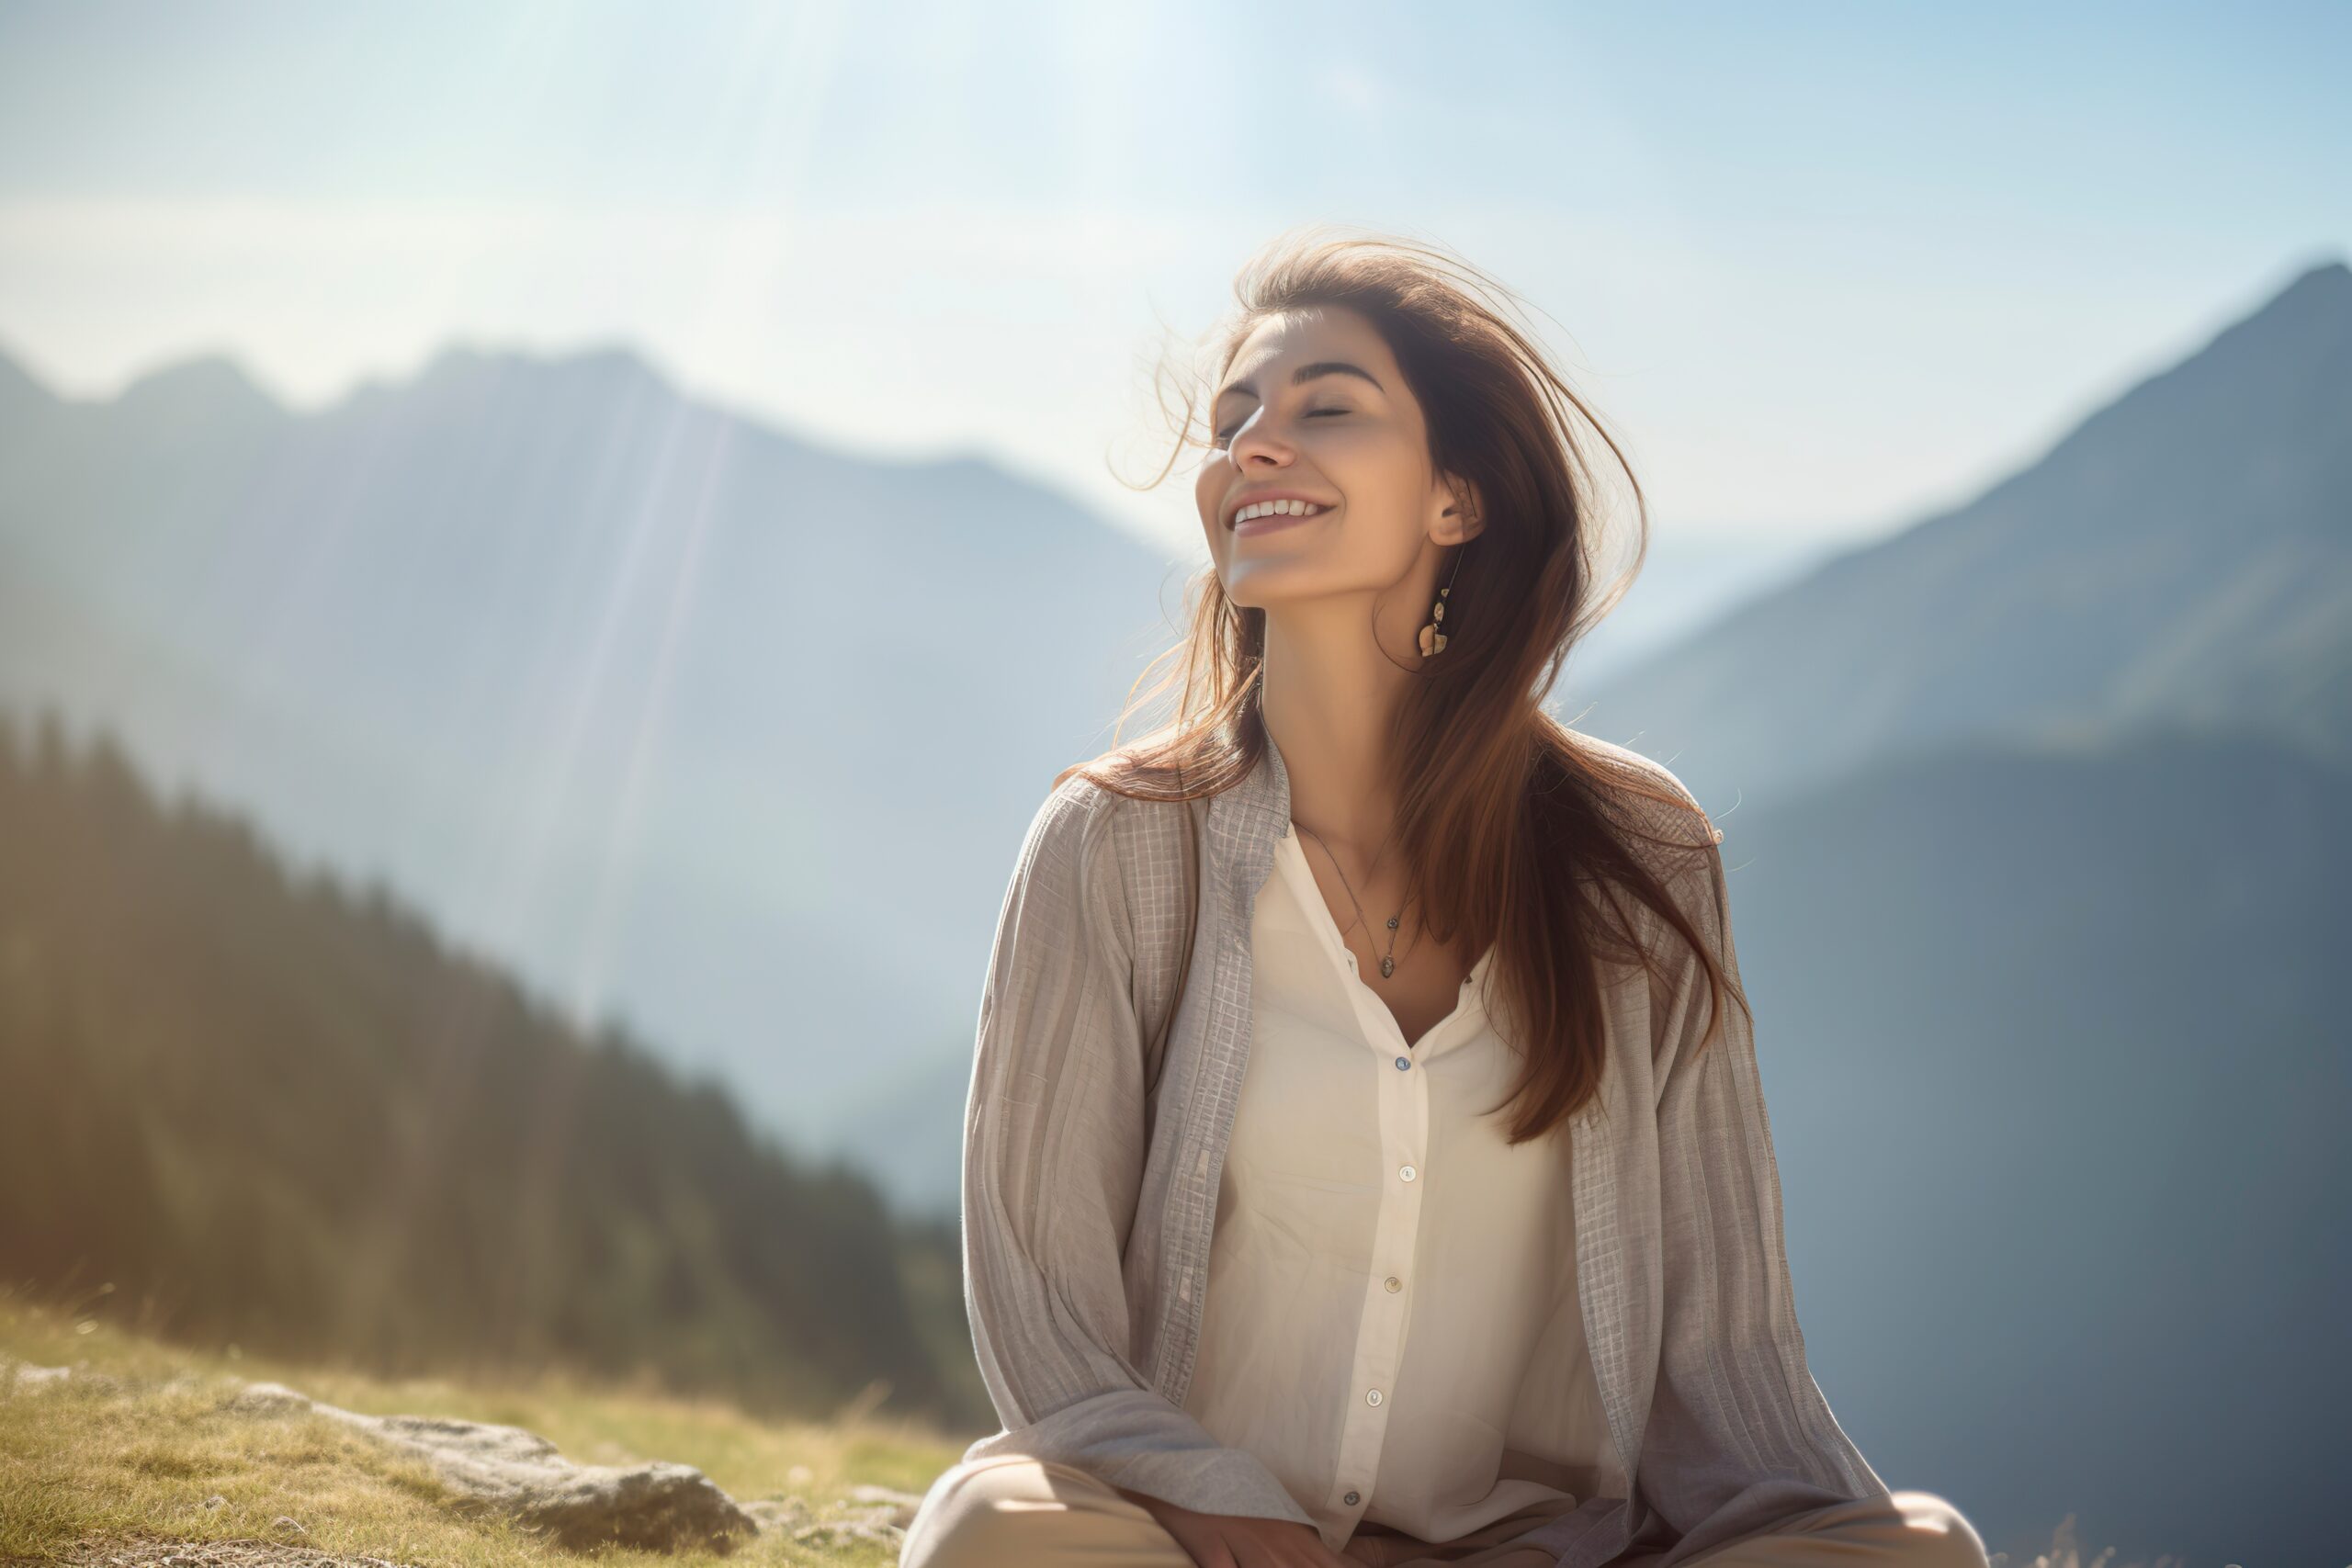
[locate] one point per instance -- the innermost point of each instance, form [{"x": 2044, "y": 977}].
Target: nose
[{"x": 1260, "y": 442}]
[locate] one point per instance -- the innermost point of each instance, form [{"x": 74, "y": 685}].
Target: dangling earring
[{"x": 1433, "y": 634}]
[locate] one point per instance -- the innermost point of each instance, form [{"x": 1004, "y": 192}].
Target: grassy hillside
[{"x": 92, "y": 1464}]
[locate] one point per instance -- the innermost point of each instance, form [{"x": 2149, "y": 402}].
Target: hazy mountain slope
[
  {"x": 270, "y": 1109},
  {"x": 2184, "y": 556},
  {"x": 2058, "y": 1067},
  {"x": 662, "y": 705}
]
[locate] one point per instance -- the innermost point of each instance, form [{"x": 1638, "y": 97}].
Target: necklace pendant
[{"x": 1388, "y": 967}]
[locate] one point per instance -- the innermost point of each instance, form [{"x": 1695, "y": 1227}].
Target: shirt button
[
  {"x": 1372, "y": 1397},
  {"x": 1394, "y": 1284},
  {"x": 1352, "y": 1498},
  {"x": 1407, "y": 1172},
  {"x": 1404, "y": 1063}
]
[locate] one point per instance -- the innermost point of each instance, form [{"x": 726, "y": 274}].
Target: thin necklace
[{"x": 1388, "y": 960}]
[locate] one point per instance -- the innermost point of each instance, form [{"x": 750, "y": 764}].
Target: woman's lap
[
  {"x": 1916, "y": 1529},
  {"x": 1008, "y": 1509}
]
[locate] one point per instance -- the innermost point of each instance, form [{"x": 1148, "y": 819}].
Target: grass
[{"x": 83, "y": 1465}]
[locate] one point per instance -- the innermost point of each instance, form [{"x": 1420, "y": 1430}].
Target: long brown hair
[{"x": 1516, "y": 831}]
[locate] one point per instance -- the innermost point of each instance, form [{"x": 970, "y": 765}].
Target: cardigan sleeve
[
  {"x": 1739, "y": 1436},
  {"x": 1055, "y": 1137}
]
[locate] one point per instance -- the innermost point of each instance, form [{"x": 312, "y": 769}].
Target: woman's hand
[{"x": 1234, "y": 1541}]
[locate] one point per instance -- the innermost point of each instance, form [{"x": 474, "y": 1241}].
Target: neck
[{"x": 1326, "y": 698}]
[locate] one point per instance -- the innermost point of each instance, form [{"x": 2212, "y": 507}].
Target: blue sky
[{"x": 1823, "y": 267}]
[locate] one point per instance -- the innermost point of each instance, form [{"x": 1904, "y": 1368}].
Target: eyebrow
[{"x": 1305, "y": 373}]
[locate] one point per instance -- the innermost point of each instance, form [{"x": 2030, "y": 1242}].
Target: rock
[
  {"x": 269, "y": 1399},
  {"x": 871, "y": 1512},
  {"x": 651, "y": 1506},
  {"x": 655, "y": 1506},
  {"x": 28, "y": 1378},
  {"x": 889, "y": 1496},
  {"x": 784, "y": 1514}
]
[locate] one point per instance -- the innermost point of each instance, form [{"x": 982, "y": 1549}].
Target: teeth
[{"x": 1273, "y": 508}]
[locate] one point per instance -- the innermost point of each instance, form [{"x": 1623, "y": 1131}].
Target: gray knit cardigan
[{"x": 1090, "y": 1175}]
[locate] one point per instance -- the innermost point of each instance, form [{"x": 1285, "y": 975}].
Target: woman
[{"x": 1398, "y": 1190}]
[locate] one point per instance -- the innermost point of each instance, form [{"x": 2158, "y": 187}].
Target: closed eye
[{"x": 1226, "y": 433}]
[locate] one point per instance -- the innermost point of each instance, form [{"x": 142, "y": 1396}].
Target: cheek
[
  {"x": 1366, "y": 463},
  {"x": 1375, "y": 448}
]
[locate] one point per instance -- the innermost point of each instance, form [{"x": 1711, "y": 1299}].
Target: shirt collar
[{"x": 1245, "y": 821}]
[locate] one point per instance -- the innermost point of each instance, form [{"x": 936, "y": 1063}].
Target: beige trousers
[{"x": 1007, "y": 1511}]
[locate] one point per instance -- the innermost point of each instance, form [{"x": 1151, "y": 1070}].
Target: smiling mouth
[
  {"x": 1267, "y": 522},
  {"x": 1272, "y": 521}
]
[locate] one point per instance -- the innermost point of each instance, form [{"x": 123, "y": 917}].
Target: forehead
[{"x": 1314, "y": 332}]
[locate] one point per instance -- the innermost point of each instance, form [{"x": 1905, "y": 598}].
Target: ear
[{"x": 1464, "y": 516}]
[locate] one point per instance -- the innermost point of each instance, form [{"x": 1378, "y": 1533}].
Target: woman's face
[{"x": 1314, "y": 409}]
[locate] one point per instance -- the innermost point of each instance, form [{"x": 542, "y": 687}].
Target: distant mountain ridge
[{"x": 2182, "y": 557}]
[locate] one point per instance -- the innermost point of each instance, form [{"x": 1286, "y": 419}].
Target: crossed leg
[{"x": 1008, "y": 1511}]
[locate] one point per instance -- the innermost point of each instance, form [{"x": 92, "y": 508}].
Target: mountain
[
  {"x": 688, "y": 721},
  {"x": 2182, "y": 557},
  {"x": 685, "y": 720},
  {"x": 2055, "y": 1049},
  {"x": 274, "y": 1110},
  {"x": 2034, "y": 817}
]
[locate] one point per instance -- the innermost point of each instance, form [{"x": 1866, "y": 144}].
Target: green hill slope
[{"x": 275, "y": 1112}]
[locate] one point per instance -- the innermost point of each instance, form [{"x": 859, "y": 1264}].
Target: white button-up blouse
[{"x": 1386, "y": 1274}]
